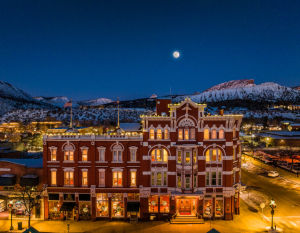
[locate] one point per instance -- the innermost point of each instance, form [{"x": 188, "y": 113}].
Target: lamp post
[
  {"x": 10, "y": 206},
  {"x": 273, "y": 206}
]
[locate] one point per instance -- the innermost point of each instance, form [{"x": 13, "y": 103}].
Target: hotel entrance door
[{"x": 185, "y": 207}]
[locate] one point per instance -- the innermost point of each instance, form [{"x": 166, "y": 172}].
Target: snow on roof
[
  {"x": 34, "y": 163},
  {"x": 130, "y": 126}
]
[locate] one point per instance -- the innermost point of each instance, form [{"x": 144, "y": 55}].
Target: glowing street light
[
  {"x": 10, "y": 206},
  {"x": 273, "y": 206}
]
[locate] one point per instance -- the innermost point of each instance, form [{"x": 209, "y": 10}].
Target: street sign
[{"x": 262, "y": 205}]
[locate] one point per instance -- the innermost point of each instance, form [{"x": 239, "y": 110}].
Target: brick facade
[{"x": 183, "y": 162}]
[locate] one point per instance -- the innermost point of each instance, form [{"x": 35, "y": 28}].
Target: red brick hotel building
[{"x": 180, "y": 161}]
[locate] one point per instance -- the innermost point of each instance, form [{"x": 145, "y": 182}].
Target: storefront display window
[
  {"x": 207, "y": 208},
  {"x": 164, "y": 204},
  {"x": 117, "y": 205},
  {"x": 18, "y": 209},
  {"x": 219, "y": 208},
  {"x": 85, "y": 210},
  {"x": 54, "y": 212},
  {"x": 153, "y": 204},
  {"x": 102, "y": 205}
]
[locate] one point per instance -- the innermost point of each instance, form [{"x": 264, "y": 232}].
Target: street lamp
[
  {"x": 273, "y": 206},
  {"x": 10, "y": 206}
]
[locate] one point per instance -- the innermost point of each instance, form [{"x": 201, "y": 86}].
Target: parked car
[{"x": 273, "y": 174}]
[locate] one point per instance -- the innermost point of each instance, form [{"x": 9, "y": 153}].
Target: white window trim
[
  {"x": 101, "y": 148},
  {"x": 117, "y": 170},
  {"x": 84, "y": 170},
  {"x": 133, "y": 149},
  {"x": 133, "y": 170},
  {"x": 162, "y": 171},
  {"x": 99, "y": 171},
  {"x": 84, "y": 148},
  {"x": 53, "y": 170},
  {"x": 69, "y": 170},
  {"x": 51, "y": 152}
]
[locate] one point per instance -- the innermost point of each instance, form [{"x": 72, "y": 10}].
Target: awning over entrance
[
  {"x": 133, "y": 206},
  {"x": 7, "y": 180},
  {"x": 67, "y": 206},
  {"x": 29, "y": 180}
]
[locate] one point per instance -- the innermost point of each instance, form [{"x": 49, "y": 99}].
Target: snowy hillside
[
  {"x": 12, "y": 98},
  {"x": 232, "y": 84},
  {"x": 90, "y": 116},
  {"x": 58, "y": 101},
  {"x": 268, "y": 92},
  {"x": 95, "y": 102}
]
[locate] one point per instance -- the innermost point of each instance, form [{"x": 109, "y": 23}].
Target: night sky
[{"x": 89, "y": 49}]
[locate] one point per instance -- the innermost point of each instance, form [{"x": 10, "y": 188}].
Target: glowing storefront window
[
  {"x": 219, "y": 208},
  {"x": 117, "y": 205},
  {"x": 102, "y": 205},
  {"x": 164, "y": 204},
  {"x": 207, "y": 208},
  {"x": 153, "y": 204}
]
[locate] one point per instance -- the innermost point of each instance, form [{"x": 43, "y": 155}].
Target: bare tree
[{"x": 29, "y": 196}]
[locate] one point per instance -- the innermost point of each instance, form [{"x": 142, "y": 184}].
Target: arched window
[
  {"x": 221, "y": 134},
  {"x": 159, "y": 155},
  {"x": 69, "y": 152},
  {"x": 214, "y": 134},
  {"x": 206, "y": 134},
  {"x": 180, "y": 134},
  {"x": 151, "y": 134},
  {"x": 213, "y": 155},
  {"x": 166, "y": 134},
  {"x": 158, "y": 134},
  {"x": 117, "y": 153}
]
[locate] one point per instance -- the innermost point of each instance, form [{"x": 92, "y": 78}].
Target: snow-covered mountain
[
  {"x": 246, "y": 90},
  {"x": 232, "y": 84},
  {"x": 58, "y": 101},
  {"x": 12, "y": 98},
  {"x": 95, "y": 102}
]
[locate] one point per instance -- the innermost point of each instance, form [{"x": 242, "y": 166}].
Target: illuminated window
[
  {"x": 213, "y": 155},
  {"x": 84, "y": 177},
  {"x": 151, "y": 134},
  {"x": 159, "y": 155},
  {"x": 159, "y": 134},
  {"x": 214, "y": 134},
  {"x": 221, "y": 134},
  {"x": 186, "y": 134},
  {"x": 69, "y": 178},
  {"x": 187, "y": 157},
  {"x": 69, "y": 155},
  {"x": 180, "y": 134},
  {"x": 206, "y": 134},
  {"x": 166, "y": 134},
  {"x": 132, "y": 178},
  {"x": 179, "y": 156},
  {"x": 179, "y": 181},
  {"x": 53, "y": 177},
  {"x": 117, "y": 179},
  {"x": 194, "y": 156},
  {"x": 53, "y": 152},
  {"x": 84, "y": 154},
  {"x": 101, "y": 177}
]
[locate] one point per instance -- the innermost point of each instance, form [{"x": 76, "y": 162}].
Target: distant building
[{"x": 178, "y": 161}]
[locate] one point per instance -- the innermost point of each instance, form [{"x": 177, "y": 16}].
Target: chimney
[{"x": 162, "y": 107}]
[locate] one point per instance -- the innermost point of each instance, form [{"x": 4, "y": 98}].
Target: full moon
[{"x": 176, "y": 54}]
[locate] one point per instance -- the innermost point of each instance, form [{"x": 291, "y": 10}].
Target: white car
[{"x": 273, "y": 174}]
